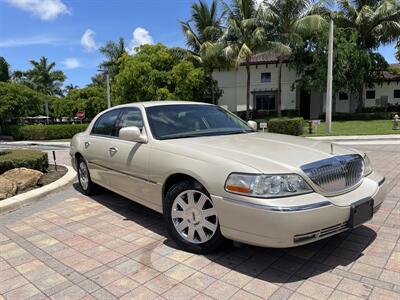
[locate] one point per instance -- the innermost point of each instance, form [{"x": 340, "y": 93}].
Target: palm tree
[
  {"x": 113, "y": 51},
  {"x": 44, "y": 79},
  {"x": 398, "y": 51},
  {"x": 202, "y": 33},
  {"x": 375, "y": 22},
  {"x": 70, "y": 87},
  {"x": 4, "y": 70},
  {"x": 291, "y": 20},
  {"x": 246, "y": 35}
]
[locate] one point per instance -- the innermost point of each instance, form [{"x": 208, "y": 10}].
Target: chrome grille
[{"x": 336, "y": 174}]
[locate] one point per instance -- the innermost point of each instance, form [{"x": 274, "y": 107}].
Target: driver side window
[
  {"x": 130, "y": 117},
  {"x": 105, "y": 124}
]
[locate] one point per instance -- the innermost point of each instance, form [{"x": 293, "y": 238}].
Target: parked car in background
[{"x": 213, "y": 177}]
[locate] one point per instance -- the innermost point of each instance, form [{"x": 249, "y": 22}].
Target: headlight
[
  {"x": 367, "y": 166},
  {"x": 267, "y": 186}
]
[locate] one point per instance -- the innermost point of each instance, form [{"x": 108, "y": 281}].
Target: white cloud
[
  {"x": 71, "y": 63},
  {"x": 87, "y": 40},
  {"x": 31, "y": 41},
  {"x": 44, "y": 9},
  {"x": 140, "y": 37}
]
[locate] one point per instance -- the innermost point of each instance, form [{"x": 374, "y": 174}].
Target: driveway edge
[{"x": 35, "y": 195}]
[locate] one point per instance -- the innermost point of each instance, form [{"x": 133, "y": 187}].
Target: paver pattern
[{"x": 107, "y": 247}]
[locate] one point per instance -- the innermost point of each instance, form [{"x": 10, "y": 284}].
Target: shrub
[
  {"x": 361, "y": 116},
  {"x": 31, "y": 159},
  {"x": 269, "y": 114},
  {"x": 43, "y": 132},
  {"x": 292, "y": 126}
]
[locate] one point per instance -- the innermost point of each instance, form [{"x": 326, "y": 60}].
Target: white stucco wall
[
  {"x": 385, "y": 89},
  {"x": 233, "y": 83}
]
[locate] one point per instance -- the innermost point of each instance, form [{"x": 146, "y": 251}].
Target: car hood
[{"x": 264, "y": 152}]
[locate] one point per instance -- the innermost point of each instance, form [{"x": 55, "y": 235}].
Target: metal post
[
  {"x": 328, "y": 116},
  {"x": 108, "y": 90}
]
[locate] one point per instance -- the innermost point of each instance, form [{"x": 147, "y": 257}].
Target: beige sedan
[{"x": 215, "y": 178}]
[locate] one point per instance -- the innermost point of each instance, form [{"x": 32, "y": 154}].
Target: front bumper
[{"x": 293, "y": 221}]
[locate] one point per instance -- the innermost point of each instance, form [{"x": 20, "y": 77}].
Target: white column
[{"x": 328, "y": 115}]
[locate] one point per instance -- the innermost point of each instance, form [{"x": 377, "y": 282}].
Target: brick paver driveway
[{"x": 70, "y": 247}]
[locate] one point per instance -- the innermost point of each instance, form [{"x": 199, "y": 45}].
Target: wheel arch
[{"x": 178, "y": 177}]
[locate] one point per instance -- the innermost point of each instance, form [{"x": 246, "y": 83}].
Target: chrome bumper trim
[
  {"x": 279, "y": 208},
  {"x": 381, "y": 181}
]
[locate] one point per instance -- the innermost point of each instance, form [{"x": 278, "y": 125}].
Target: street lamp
[
  {"x": 105, "y": 71},
  {"x": 328, "y": 114}
]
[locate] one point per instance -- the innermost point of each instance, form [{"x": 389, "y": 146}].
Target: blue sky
[{"x": 69, "y": 32}]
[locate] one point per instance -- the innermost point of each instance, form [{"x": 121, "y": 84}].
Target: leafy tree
[
  {"x": 43, "y": 78},
  {"x": 246, "y": 35},
  {"x": 202, "y": 32},
  {"x": 113, "y": 51},
  {"x": 292, "y": 20},
  {"x": 310, "y": 61},
  {"x": 398, "y": 51},
  {"x": 375, "y": 22},
  {"x": 91, "y": 100},
  {"x": 17, "y": 100},
  {"x": 69, "y": 88},
  {"x": 157, "y": 73},
  {"x": 4, "y": 70}
]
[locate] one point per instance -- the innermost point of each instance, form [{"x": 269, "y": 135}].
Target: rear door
[
  {"x": 129, "y": 160},
  {"x": 97, "y": 146}
]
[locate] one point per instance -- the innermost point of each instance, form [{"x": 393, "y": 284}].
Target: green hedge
[
  {"x": 292, "y": 126},
  {"x": 31, "y": 159},
  {"x": 269, "y": 114},
  {"x": 43, "y": 132},
  {"x": 364, "y": 116}
]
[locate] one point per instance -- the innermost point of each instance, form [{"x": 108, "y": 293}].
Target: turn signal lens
[
  {"x": 367, "y": 166},
  {"x": 267, "y": 186}
]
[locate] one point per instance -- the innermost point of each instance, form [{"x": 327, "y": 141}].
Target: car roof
[{"x": 160, "y": 103}]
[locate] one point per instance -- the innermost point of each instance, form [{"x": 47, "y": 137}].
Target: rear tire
[
  {"x": 191, "y": 218},
  {"x": 86, "y": 184}
]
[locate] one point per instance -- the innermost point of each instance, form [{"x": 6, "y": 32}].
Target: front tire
[
  {"x": 191, "y": 218},
  {"x": 86, "y": 184}
]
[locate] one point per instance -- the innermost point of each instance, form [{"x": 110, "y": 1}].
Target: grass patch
[
  {"x": 31, "y": 159},
  {"x": 369, "y": 127}
]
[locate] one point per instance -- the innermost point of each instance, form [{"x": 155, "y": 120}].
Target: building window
[
  {"x": 265, "y": 77},
  {"x": 396, "y": 94},
  {"x": 343, "y": 96},
  {"x": 266, "y": 101},
  {"x": 370, "y": 95}
]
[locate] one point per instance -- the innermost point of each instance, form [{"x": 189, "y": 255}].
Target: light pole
[
  {"x": 108, "y": 89},
  {"x": 105, "y": 71},
  {"x": 328, "y": 114}
]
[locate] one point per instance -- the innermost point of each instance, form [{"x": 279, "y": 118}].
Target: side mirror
[
  {"x": 252, "y": 125},
  {"x": 132, "y": 134}
]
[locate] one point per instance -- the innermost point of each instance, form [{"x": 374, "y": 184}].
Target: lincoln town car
[{"x": 215, "y": 178}]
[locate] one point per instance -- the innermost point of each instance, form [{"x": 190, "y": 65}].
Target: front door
[
  {"x": 265, "y": 101},
  {"x": 129, "y": 160},
  {"x": 305, "y": 104}
]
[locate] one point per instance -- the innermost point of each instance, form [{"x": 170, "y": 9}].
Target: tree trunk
[
  {"x": 279, "y": 100},
  {"x": 248, "y": 91},
  {"x": 213, "y": 100},
  {"x": 360, "y": 104}
]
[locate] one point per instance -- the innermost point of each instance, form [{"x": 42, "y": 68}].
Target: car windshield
[{"x": 192, "y": 120}]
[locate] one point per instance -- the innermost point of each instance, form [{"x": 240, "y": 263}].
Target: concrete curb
[{"x": 35, "y": 195}]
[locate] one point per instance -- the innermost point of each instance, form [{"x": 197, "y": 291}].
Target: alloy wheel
[{"x": 194, "y": 216}]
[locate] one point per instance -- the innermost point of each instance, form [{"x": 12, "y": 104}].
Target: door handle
[
  {"x": 113, "y": 150},
  {"x": 87, "y": 144}
]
